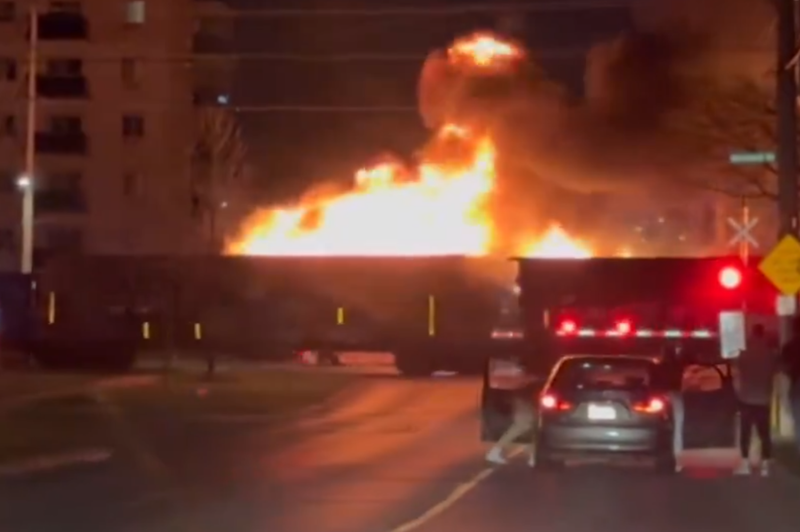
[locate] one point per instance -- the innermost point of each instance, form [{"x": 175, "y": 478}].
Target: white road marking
[{"x": 457, "y": 494}]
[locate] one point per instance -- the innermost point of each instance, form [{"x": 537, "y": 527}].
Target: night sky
[{"x": 293, "y": 150}]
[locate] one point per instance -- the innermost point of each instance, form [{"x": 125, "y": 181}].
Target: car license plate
[{"x": 602, "y": 413}]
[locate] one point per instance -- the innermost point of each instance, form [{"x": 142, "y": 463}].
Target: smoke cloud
[{"x": 621, "y": 136}]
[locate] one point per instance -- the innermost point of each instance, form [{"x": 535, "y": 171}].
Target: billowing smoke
[{"x": 627, "y": 134}]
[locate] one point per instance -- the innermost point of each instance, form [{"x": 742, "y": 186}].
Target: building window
[
  {"x": 133, "y": 126},
  {"x": 66, "y": 124},
  {"x": 135, "y": 12},
  {"x": 7, "y": 240},
  {"x": 8, "y": 11},
  {"x": 64, "y": 68},
  {"x": 129, "y": 71},
  {"x": 8, "y": 69},
  {"x": 9, "y": 126},
  {"x": 131, "y": 184},
  {"x": 74, "y": 6}
]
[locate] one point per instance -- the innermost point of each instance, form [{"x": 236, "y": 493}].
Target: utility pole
[
  {"x": 786, "y": 105},
  {"x": 28, "y": 181}
]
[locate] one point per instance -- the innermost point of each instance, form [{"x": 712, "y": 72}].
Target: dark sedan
[{"x": 604, "y": 406}]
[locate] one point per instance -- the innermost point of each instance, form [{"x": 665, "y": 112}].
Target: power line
[
  {"x": 289, "y": 57},
  {"x": 539, "y": 7},
  {"x": 355, "y": 57},
  {"x": 320, "y": 109}
]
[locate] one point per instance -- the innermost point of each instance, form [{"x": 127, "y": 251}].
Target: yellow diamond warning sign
[{"x": 782, "y": 265}]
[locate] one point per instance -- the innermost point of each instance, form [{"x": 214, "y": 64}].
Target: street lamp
[
  {"x": 25, "y": 184},
  {"x": 26, "y": 181}
]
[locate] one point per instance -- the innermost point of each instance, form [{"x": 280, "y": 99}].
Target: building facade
[{"x": 114, "y": 125}]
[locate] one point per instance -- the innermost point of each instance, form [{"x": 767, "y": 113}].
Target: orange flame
[
  {"x": 436, "y": 210},
  {"x": 438, "y": 207},
  {"x": 484, "y": 50},
  {"x": 557, "y": 244}
]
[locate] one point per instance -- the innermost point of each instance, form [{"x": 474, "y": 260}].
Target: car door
[
  {"x": 502, "y": 376},
  {"x": 710, "y": 407}
]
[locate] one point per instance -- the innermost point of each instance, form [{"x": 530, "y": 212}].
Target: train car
[{"x": 432, "y": 313}]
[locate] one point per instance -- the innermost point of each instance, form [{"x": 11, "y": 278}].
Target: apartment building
[{"x": 114, "y": 128}]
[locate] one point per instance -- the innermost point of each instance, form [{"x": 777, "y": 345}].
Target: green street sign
[{"x": 752, "y": 157}]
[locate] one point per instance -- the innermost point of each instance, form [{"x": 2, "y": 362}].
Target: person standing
[
  {"x": 790, "y": 358},
  {"x": 670, "y": 379},
  {"x": 756, "y": 368}
]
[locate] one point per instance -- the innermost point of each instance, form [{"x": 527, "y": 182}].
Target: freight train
[{"x": 432, "y": 313}]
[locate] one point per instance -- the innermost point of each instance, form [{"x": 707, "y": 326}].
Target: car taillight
[
  {"x": 624, "y": 327},
  {"x": 655, "y": 405},
  {"x": 549, "y": 401}
]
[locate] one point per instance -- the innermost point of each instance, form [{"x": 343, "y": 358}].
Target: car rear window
[{"x": 605, "y": 374}]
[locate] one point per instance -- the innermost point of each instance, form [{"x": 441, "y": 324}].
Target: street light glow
[{"x": 24, "y": 182}]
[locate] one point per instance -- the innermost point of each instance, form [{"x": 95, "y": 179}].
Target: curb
[{"x": 46, "y": 463}]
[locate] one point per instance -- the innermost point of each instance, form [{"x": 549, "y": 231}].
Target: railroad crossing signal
[
  {"x": 782, "y": 266},
  {"x": 743, "y": 232}
]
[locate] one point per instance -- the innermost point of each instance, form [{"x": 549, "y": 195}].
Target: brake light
[
  {"x": 568, "y": 327},
  {"x": 549, "y": 401},
  {"x": 624, "y": 327},
  {"x": 654, "y": 406},
  {"x": 730, "y": 277}
]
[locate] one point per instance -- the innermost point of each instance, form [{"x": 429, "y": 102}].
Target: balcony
[
  {"x": 62, "y": 87},
  {"x": 61, "y": 144},
  {"x": 59, "y": 201},
  {"x": 63, "y": 26}
]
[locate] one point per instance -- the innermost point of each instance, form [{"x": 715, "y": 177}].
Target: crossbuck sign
[{"x": 743, "y": 232}]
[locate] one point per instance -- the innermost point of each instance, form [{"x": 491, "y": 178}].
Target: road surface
[{"x": 399, "y": 456}]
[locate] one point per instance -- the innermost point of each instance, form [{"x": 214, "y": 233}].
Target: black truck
[{"x": 432, "y": 313}]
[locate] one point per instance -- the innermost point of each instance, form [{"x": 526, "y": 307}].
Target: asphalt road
[{"x": 399, "y": 456}]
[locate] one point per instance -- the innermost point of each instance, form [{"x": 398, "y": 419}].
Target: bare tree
[
  {"x": 719, "y": 120},
  {"x": 219, "y": 161}
]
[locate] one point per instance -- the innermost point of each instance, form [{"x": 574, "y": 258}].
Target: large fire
[
  {"x": 557, "y": 244},
  {"x": 438, "y": 207}
]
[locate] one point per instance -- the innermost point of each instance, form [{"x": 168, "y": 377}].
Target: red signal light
[
  {"x": 730, "y": 277},
  {"x": 623, "y": 327}
]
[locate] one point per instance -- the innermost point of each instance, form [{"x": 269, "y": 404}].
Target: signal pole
[{"x": 28, "y": 181}]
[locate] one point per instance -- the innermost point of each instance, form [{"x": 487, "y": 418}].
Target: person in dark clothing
[
  {"x": 756, "y": 367},
  {"x": 790, "y": 360},
  {"x": 669, "y": 378}
]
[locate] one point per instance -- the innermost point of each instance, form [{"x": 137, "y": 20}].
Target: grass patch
[
  {"x": 58, "y": 425},
  {"x": 273, "y": 392},
  {"x": 79, "y": 421},
  {"x": 786, "y": 454},
  {"x": 15, "y": 384}
]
